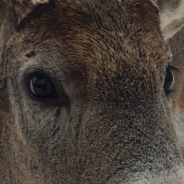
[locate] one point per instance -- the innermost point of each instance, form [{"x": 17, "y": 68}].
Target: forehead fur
[
  {"x": 94, "y": 5},
  {"x": 107, "y": 24},
  {"x": 96, "y": 37}
]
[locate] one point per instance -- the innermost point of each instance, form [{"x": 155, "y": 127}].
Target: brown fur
[
  {"x": 107, "y": 60},
  {"x": 178, "y": 88}
]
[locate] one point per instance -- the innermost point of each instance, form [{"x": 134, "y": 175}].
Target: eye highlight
[
  {"x": 41, "y": 87},
  {"x": 169, "y": 80},
  {"x": 44, "y": 88}
]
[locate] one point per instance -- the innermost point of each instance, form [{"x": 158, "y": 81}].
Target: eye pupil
[
  {"x": 169, "y": 80},
  {"x": 40, "y": 87}
]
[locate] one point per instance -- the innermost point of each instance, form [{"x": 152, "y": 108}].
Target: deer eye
[
  {"x": 169, "y": 80},
  {"x": 41, "y": 87}
]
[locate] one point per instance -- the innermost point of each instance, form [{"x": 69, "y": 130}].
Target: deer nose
[{"x": 138, "y": 150}]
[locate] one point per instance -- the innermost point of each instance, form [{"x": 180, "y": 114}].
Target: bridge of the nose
[
  {"x": 121, "y": 65},
  {"x": 117, "y": 141},
  {"x": 108, "y": 37}
]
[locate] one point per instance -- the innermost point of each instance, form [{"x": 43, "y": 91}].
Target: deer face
[{"x": 86, "y": 95}]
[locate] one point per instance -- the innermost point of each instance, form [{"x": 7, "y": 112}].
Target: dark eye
[
  {"x": 169, "y": 80},
  {"x": 41, "y": 87}
]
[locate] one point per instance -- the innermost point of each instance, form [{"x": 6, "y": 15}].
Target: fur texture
[{"x": 107, "y": 62}]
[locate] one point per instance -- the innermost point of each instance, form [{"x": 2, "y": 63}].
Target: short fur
[{"x": 107, "y": 62}]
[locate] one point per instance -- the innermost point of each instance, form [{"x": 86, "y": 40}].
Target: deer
[{"x": 91, "y": 92}]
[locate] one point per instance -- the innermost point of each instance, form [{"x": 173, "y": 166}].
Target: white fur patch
[
  {"x": 172, "y": 20},
  {"x": 174, "y": 176},
  {"x": 168, "y": 15},
  {"x": 34, "y": 2}
]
